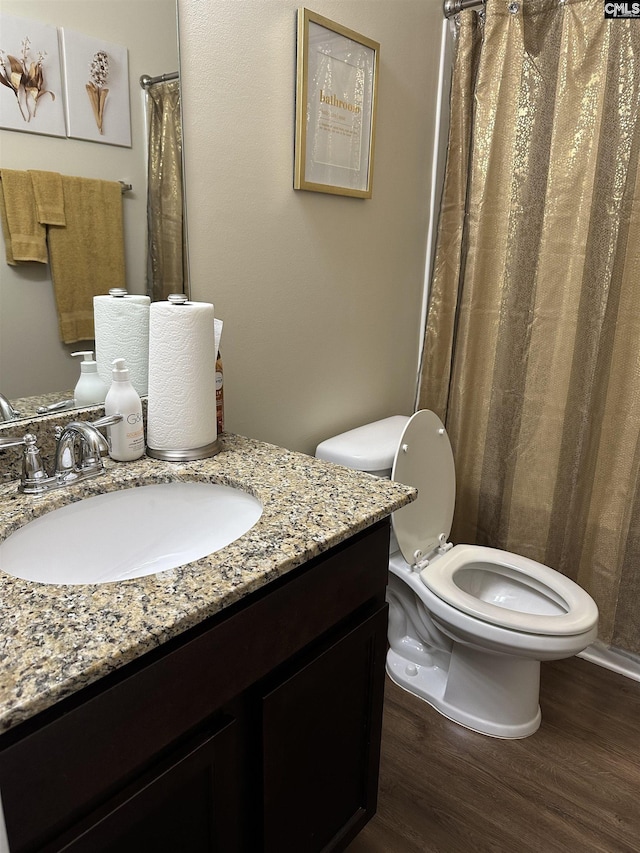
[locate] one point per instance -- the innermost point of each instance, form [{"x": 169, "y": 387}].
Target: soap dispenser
[
  {"x": 90, "y": 389},
  {"x": 126, "y": 438}
]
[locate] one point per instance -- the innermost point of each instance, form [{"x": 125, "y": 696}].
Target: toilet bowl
[{"x": 468, "y": 625}]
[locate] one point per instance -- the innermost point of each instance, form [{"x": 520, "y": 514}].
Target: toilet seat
[
  {"x": 548, "y": 603},
  {"x": 554, "y": 605}
]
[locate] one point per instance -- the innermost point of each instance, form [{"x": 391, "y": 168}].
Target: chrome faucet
[
  {"x": 80, "y": 447},
  {"x": 7, "y": 412}
]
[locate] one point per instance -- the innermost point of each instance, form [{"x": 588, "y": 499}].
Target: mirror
[{"x": 35, "y": 366}]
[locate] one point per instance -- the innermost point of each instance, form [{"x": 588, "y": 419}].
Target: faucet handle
[
  {"x": 14, "y": 441},
  {"x": 102, "y": 444},
  {"x": 33, "y": 471},
  {"x": 60, "y": 406},
  {"x": 107, "y": 420}
]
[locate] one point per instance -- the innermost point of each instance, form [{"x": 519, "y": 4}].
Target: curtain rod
[
  {"x": 452, "y": 7},
  {"x": 146, "y": 81}
]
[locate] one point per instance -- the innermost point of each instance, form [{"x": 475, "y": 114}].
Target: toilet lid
[{"x": 424, "y": 460}]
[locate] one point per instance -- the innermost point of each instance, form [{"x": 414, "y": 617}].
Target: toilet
[{"x": 468, "y": 625}]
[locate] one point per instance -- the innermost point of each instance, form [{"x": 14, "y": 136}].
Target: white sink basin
[{"x": 129, "y": 533}]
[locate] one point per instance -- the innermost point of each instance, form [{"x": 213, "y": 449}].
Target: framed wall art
[
  {"x": 30, "y": 78},
  {"x": 337, "y": 76},
  {"x": 96, "y": 77}
]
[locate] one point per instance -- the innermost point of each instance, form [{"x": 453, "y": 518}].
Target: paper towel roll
[
  {"x": 181, "y": 413},
  {"x": 122, "y": 331}
]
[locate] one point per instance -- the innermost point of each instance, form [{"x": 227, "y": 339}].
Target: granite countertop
[
  {"x": 27, "y": 407},
  {"x": 57, "y": 639}
]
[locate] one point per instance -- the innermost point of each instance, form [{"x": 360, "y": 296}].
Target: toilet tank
[{"x": 370, "y": 448}]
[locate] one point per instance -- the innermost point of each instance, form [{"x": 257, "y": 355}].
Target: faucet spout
[{"x": 79, "y": 449}]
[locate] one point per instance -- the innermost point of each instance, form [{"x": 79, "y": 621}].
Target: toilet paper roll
[
  {"x": 122, "y": 331},
  {"x": 181, "y": 413}
]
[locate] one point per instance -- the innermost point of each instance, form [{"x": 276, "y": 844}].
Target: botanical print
[
  {"x": 30, "y": 81},
  {"x": 25, "y": 78},
  {"x": 96, "y": 77},
  {"x": 97, "y": 91}
]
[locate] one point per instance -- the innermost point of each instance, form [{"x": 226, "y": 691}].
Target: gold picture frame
[{"x": 336, "y": 99}]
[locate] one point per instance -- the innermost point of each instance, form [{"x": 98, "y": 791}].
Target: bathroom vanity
[{"x": 233, "y": 704}]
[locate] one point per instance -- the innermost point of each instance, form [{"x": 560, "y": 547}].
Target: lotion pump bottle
[
  {"x": 126, "y": 438},
  {"x": 90, "y": 389}
]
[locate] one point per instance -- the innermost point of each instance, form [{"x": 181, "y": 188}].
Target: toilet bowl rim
[
  {"x": 581, "y": 610},
  {"x": 465, "y": 628}
]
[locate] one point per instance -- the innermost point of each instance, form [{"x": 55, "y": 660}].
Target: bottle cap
[
  {"x": 120, "y": 370},
  {"x": 87, "y": 365}
]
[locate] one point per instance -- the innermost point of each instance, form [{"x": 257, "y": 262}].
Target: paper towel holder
[
  {"x": 191, "y": 454},
  {"x": 204, "y": 452}
]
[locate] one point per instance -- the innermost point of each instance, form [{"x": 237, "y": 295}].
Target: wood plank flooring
[{"x": 573, "y": 787}]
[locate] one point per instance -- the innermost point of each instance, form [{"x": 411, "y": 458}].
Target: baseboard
[{"x": 617, "y": 660}]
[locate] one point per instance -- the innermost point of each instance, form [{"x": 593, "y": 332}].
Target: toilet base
[{"x": 492, "y": 694}]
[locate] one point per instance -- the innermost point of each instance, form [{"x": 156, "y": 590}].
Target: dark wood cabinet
[
  {"x": 319, "y": 750},
  {"x": 259, "y": 730},
  {"x": 188, "y": 802}
]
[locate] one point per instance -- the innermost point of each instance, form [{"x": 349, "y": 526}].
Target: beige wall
[
  {"x": 320, "y": 295},
  {"x": 32, "y": 358}
]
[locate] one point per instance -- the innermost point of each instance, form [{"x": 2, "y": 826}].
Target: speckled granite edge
[{"x": 57, "y": 639}]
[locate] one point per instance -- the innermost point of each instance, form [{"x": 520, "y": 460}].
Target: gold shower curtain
[
  {"x": 532, "y": 349},
  {"x": 166, "y": 256}
]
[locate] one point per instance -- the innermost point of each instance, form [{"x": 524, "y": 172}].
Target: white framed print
[
  {"x": 336, "y": 88},
  {"x": 30, "y": 77},
  {"x": 96, "y": 79}
]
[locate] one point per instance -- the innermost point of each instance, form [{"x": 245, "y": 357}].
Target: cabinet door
[
  {"x": 321, "y": 744},
  {"x": 189, "y": 802}
]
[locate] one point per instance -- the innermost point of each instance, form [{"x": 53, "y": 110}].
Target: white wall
[
  {"x": 32, "y": 358},
  {"x": 320, "y": 295}
]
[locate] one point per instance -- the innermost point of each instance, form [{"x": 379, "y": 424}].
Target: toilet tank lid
[{"x": 371, "y": 447}]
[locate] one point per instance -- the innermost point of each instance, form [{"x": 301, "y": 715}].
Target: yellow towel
[
  {"x": 5, "y": 231},
  {"x": 86, "y": 255},
  {"x": 47, "y": 191},
  {"x": 25, "y": 237}
]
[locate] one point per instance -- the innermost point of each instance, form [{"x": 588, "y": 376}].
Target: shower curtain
[
  {"x": 532, "y": 346},
  {"x": 166, "y": 255}
]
